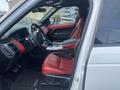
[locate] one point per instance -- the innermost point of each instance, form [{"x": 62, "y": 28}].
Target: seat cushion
[{"x": 57, "y": 64}]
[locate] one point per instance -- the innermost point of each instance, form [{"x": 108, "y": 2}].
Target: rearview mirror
[{"x": 39, "y": 10}]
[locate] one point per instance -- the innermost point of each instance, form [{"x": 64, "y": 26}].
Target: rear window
[{"x": 109, "y": 25}]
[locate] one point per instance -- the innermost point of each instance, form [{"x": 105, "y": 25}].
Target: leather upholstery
[
  {"x": 19, "y": 46},
  {"x": 62, "y": 63},
  {"x": 78, "y": 29},
  {"x": 60, "y": 26},
  {"x": 57, "y": 64}
]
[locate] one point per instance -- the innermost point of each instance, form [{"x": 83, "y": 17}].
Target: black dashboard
[{"x": 15, "y": 34}]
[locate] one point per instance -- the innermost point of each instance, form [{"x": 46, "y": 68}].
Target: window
[
  {"x": 65, "y": 15},
  {"x": 6, "y": 5},
  {"x": 35, "y": 16},
  {"x": 109, "y": 25},
  {"x": 32, "y": 17}
]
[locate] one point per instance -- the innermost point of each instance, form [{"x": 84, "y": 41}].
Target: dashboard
[{"x": 16, "y": 34}]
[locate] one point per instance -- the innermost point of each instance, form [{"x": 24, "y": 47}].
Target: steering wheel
[{"x": 38, "y": 35}]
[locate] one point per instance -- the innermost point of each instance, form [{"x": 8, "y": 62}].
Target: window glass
[
  {"x": 65, "y": 15},
  {"x": 6, "y": 5},
  {"x": 33, "y": 17},
  {"x": 109, "y": 25}
]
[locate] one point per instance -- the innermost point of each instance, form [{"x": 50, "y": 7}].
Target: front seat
[
  {"x": 61, "y": 63},
  {"x": 70, "y": 43},
  {"x": 58, "y": 66},
  {"x": 57, "y": 69},
  {"x": 58, "y": 63}
]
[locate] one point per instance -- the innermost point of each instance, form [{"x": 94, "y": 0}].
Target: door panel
[
  {"x": 60, "y": 32},
  {"x": 103, "y": 71},
  {"x": 62, "y": 23},
  {"x": 60, "y": 26}
]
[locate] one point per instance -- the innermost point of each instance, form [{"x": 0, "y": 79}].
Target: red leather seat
[
  {"x": 57, "y": 64},
  {"x": 61, "y": 63}
]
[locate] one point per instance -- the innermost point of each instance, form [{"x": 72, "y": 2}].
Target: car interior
[{"x": 39, "y": 53}]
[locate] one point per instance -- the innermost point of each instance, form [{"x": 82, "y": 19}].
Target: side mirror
[
  {"x": 52, "y": 21},
  {"x": 39, "y": 10},
  {"x": 56, "y": 19}
]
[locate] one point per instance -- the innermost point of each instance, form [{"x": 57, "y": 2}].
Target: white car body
[{"x": 102, "y": 71}]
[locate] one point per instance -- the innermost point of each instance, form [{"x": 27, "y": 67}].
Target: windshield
[{"x": 33, "y": 17}]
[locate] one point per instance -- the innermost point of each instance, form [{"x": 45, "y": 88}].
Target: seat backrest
[
  {"x": 78, "y": 29},
  {"x": 76, "y": 34}
]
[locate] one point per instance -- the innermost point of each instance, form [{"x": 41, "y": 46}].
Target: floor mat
[{"x": 27, "y": 79}]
